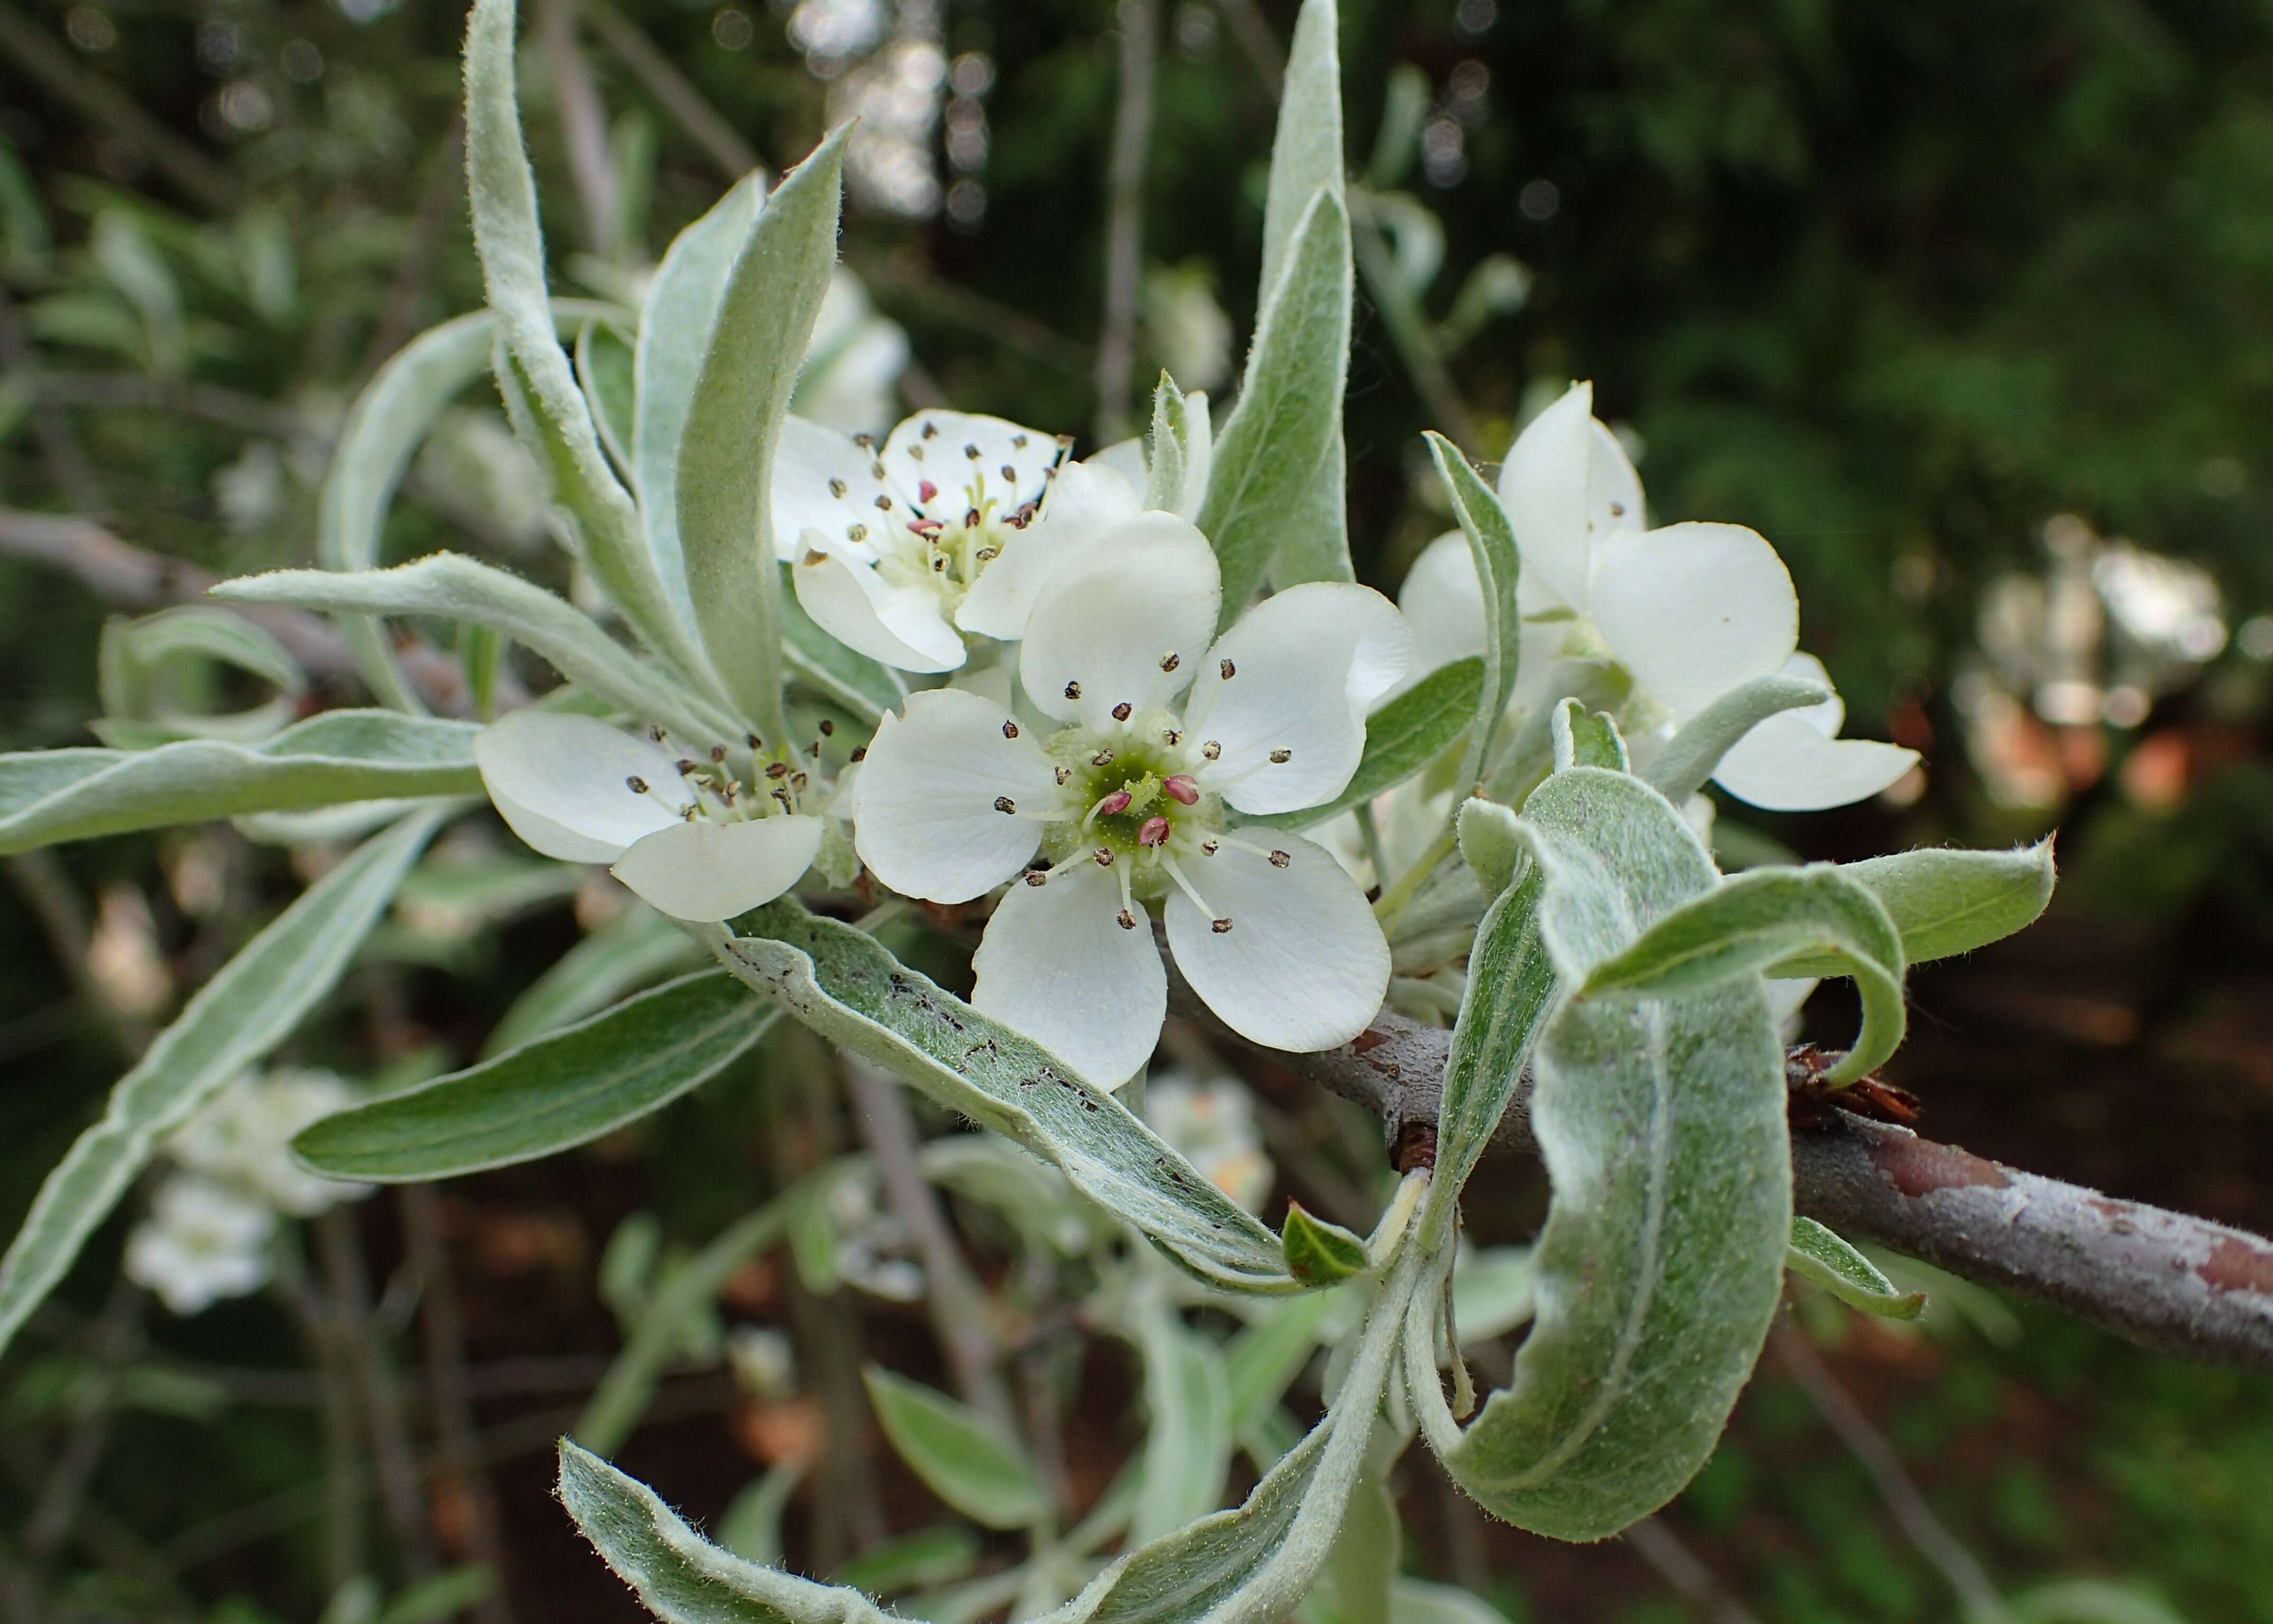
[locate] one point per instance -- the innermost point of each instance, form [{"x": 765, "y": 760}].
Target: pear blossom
[
  {"x": 203, "y": 1241},
  {"x": 243, "y": 1136},
  {"x": 1212, "y": 1123},
  {"x": 947, "y": 530},
  {"x": 688, "y": 832},
  {"x": 1153, "y": 732},
  {"x": 1690, "y": 611}
]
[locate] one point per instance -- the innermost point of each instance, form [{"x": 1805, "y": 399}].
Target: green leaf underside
[
  {"x": 248, "y": 1007},
  {"x": 1745, "y": 925},
  {"x": 1947, "y": 902},
  {"x": 1662, "y": 1125},
  {"x": 847, "y": 987},
  {"x": 1401, "y": 738},
  {"x": 961, "y": 1458},
  {"x": 1586, "y": 738},
  {"x": 1188, "y": 1439},
  {"x": 1693, "y": 755},
  {"x": 1822, "y": 1256},
  {"x": 1275, "y": 444},
  {"x": 555, "y": 1092},
  {"x": 1319, "y": 1254},
  {"x": 340, "y": 755},
  {"x": 1491, "y": 544}
]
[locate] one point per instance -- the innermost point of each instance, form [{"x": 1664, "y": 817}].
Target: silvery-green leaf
[
  {"x": 939, "y": 1554},
  {"x": 1819, "y": 1254},
  {"x": 960, "y": 1456},
  {"x": 1748, "y": 923},
  {"x": 1419, "y": 1601},
  {"x": 1662, "y": 1125},
  {"x": 2090, "y": 1601},
  {"x": 1512, "y": 984},
  {"x": 339, "y": 755},
  {"x": 1273, "y": 465},
  {"x": 1491, "y": 1291},
  {"x": 1691, "y": 756},
  {"x": 1319, "y": 1254},
  {"x": 846, "y": 986},
  {"x": 1360, "y": 1570},
  {"x": 248, "y": 1007},
  {"x": 1582, "y": 740},
  {"x": 688, "y": 1292},
  {"x": 135, "y": 655},
  {"x": 726, "y": 452},
  {"x": 454, "y": 587},
  {"x": 1262, "y": 1361},
  {"x": 750, "y": 1527},
  {"x": 604, "y": 370},
  {"x": 1947, "y": 902},
  {"x": 553, "y": 1092},
  {"x": 676, "y": 321},
  {"x": 1401, "y": 738},
  {"x": 510, "y": 246},
  {"x": 862, "y": 685},
  {"x": 634, "y": 951},
  {"x": 1306, "y": 155},
  {"x": 1491, "y": 544},
  {"x": 1189, "y": 1437},
  {"x": 1031, "y": 1194},
  {"x": 1164, "y": 462},
  {"x": 1491, "y": 843}
]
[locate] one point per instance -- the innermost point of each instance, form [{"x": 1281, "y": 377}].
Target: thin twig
[
  {"x": 348, "y": 1285},
  {"x": 1124, "y": 227},
  {"x": 1253, "y": 31},
  {"x": 583, "y": 122},
  {"x": 55, "y": 901},
  {"x": 687, "y": 107},
  {"x": 1690, "y": 1579},
  {"x": 1935, "y": 1542},
  {"x": 958, "y": 1306},
  {"x": 1410, "y": 330}
]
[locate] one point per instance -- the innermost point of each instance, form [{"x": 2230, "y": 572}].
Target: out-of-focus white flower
[
  {"x": 203, "y": 1241},
  {"x": 243, "y": 1136},
  {"x": 764, "y": 1361},
  {"x": 1190, "y": 334},
  {"x": 1213, "y": 1124},
  {"x": 951, "y": 527},
  {"x": 853, "y": 365},
  {"x": 1126, "y": 793},
  {"x": 872, "y": 1243},
  {"x": 689, "y": 836}
]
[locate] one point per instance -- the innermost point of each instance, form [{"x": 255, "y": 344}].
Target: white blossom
[
  {"x": 686, "y": 832},
  {"x": 853, "y": 364},
  {"x": 243, "y": 1136},
  {"x": 1211, "y": 1124},
  {"x": 204, "y": 1240},
  {"x": 948, "y": 529},
  {"x": 1690, "y": 610},
  {"x": 1152, "y": 737}
]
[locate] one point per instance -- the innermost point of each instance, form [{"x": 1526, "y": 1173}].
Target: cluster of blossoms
[
  {"x": 1095, "y": 743},
  {"x": 213, "y": 1217}
]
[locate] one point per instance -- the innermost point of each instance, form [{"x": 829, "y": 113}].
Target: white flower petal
[
  {"x": 1614, "y": 498},
  {"x": 1785, "y": 765},
  {"x": 1308, "y": 663},
  {"x": 1303, "y": 965},
  {"x": 928, "y": 825},
  {"x": 1086, "y": 502},
  {"x": 1104, "y": 629},
  {"x": 1443, "y": 602},
  {"x": 562, "y": 782},
  {"x": 701, "y": 870},
  {"x": 1545, "y": 483},
  {"x": 851, "y": 600},
  {"x": 1694, "y": 610},
  {"x": 822, "y": 481},
  {"x": 1125, "y": 457},
  {"x": 964, "y": 460},
  {"x": 1827, "y": 718},
  {"x": 1056, "y": 964}
]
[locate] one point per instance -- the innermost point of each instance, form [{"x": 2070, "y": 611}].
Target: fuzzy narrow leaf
[
  {"x": 553, "y": 1092},
  {"x": 248, "y": 1008},
  {"x": 1189, "y": 1437},
  {"x": 340, "y": 755},
  {"x": 1662, "y": 1125},
  {"x": 676, "y": 321},
  {"x": 1164, "y": 463},
  {"x": 1306, "y": 157},
  {"x": 135, "y": 655},
  {"x": 846, "y": 986},
  {"x": 961, "y": 1459},
  {"x": 1692, "y": 756},
  {"x": 1491, "y": 843},
  {"x": 726, "y": 452},
  {"x": 1584, "y": 740},
  {"x": 1319, "y": 1254},
  {"x": 1747, "y": 924},
  {"x": 634, "y": 951},
  {"x": 1418, "y": 1601},
  {"x": 1271, "y": 462},
  {"x": 1262, "y": 1362},
  {"x": 1821, "y": 1255},
  {"x": 451, "y": 586},
  {"x": 510, "y": 246},
  {"x": 1947, "y": 902},
  {"x": 1491, "y": 544},
  {"x": 605, "y": 372},
  {"x": 1401, "y": 738},
  {"x": 1360, "y": 1572}
]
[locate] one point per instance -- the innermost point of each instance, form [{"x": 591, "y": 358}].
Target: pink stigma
[
  {"x": 926, "y": 491},
  {"x": 1115, "y": 804},
  {"x": 1182, "y": 787},
  {"x": 1155, "y": 832}
]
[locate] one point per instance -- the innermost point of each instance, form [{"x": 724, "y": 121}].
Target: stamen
[
  {"x": 1221, "y": 926},
  {"x": 1128, "y": 920},
  {"x": 1009, "y": 730},
  {"x": 1184, "y": 883},
  {"x": 1173, "y": 736},
  {"x": 1073, "y": 691},
  {"x": 860, "y": 754},
  {"x": 1226, "y": 669},
  {"x": 1120, "y": 712},
  {"x": 1038, "y": 877},
  {"x": 884, "y": 504},
  {"x": 1104, "y": 856},
  {"x": 1155, "y": 831},
  {"x": 856, "y": 532},
  {"x": 1279, "y": 758},
  {"x": 1103, "y": 758},
  {"x": 1063, "y": 773},
  {"x": 718, "y": 754},
  {"x": 1210, "y": 846},
  {"x": 1003, "y": 804},
  {"x": 972, "y": 452},
  {"x": 777, "y": 769},
  {"x": 1170, "y": 661},
  {"x": 654, "y": 732},
  {"x": 753, "y": 741},
  {"x": 1182, "y": 786},
  {"x": 988, "y": 555},
  {"x": 1279, "y": 859},
  {"x": 1128, "y": 911},
  {"x": 827, "y": 727},
  {"x": 1009, "y": 473},
  {"x": 781, "y": 795},
  {"x": 837, "y": 487},
  {"x": 1017, "y": 442},
  {"x": 636, "y": 784},
  {"x": 865, "y": 441},
  {"x": 1212, "y": 750},
  {"x": 930, "y": 432},
  {"x": 686, "y": 766},
  {"x": 876, "y": 469}
]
